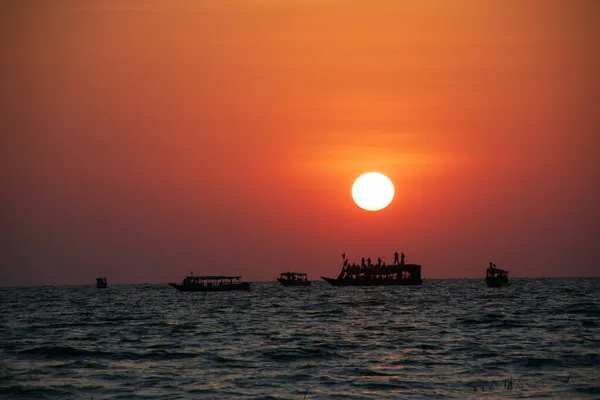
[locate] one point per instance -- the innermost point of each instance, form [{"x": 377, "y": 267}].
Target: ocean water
[{"x": 538, "y": 338}]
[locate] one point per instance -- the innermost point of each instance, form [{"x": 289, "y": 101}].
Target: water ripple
[{"x": 447, "y": 339}]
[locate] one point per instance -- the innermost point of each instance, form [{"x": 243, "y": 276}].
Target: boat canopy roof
[
  {"x": 293, "y": 274},
  {"x": 383, "y": 270},
  {"x": 208, "y": 277},
  {"x": 500, "y": 271}
]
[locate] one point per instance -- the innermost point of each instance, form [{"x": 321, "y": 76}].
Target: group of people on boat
[
  {"x": 191, "y": 279},
  {"x": 367, "y": 263},
  {"x": 368, "y": 270},
  {"x": 493, "y": 270}
]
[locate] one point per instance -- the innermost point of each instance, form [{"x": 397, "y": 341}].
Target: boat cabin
[
  {"x": 211, "y": 283},
  {"x": 211, "y": 280},
  {"x": 293, "y": 279},
  {"x": 495, "y": 273},
  {"x": 404, "y": 272},
  {"x": 293, "y": 276}
]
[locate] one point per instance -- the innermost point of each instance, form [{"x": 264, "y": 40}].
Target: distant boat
[
  {"x": 496, "y": 277},
  {"x": 101, "y": 283},
  {"x": 293, "y": 279},
  {"x": 365, "y": 274},
  {"x": 211, "y": 283}
]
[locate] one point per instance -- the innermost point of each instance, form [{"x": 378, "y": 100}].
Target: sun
[{"x": 373, "y": 191}]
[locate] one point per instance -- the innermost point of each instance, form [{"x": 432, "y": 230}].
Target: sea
[{"x": 446, "y": 339}]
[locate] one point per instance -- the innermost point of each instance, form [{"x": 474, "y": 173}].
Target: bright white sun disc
[{"x": 373, "y": 191}]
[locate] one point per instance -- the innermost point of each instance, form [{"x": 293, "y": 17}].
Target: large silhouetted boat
[
  {"x": 101, "y": 283},
  {"x": 496, "y": 277},
  {"x": 293, "y": 279},
  {"x": 380, "y": 274},
  {"x": 211, "y": 283}
]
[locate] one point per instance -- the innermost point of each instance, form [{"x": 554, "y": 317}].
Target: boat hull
[
  {"x": 372, "y": 282},
  {"x": 214, "y": 288},
  {"x": 293, "y": 282},
  {"x": 497, "y": 282},
  {"x": 101, "y": 283}
]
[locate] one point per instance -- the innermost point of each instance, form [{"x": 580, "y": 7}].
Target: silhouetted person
[
  {"x": 396, "y": 258},
  {"x": 369, "y": 261},
  {"x": 379, "y": 261},
  {"x": 402, "y": 258},
  {"x": 362, "y": 261}
]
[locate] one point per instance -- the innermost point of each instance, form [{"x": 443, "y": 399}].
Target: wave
[
  {"x": 582, "y": 360},
  {"x": 32, "y": 392},
  {"x": 292, "y": 354},
  {"x": 233, "y": 362},
  {"x": 363, "y": 303},
  {"x": 493, "y": 321},
  {"x": 485, "y": 354},
  {"x": 381, "y": 386},
  {"x": 367, "y": 372},
  {"x": 67, "y": 352},
  {"x": 585, "y": 308},
  {"x": 588, "y": 390},
  {"x": 540, "y": 362}
]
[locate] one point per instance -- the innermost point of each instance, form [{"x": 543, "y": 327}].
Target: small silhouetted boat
[
  {"x": 293, "y": 279},
  {"x": 496, "y": 277},
  {"x": 380, "y": 274},
  {"x": 101, "y": 283},
  {"x": 211, "y": 283}
]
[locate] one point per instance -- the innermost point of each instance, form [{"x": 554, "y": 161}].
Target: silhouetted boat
[
  {"x": 216, "y": 283},
  {"x": 397, "y": 274},
  {"x": 101, "y": 283},
  {"x": 496, "y": 277},
  {"x": 293, "y": 279}
]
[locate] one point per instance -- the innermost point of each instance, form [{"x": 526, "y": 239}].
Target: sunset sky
[{"x": 144, "y": 139}]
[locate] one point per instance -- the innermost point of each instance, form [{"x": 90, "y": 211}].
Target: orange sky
[{"x": 143, "y": 139}]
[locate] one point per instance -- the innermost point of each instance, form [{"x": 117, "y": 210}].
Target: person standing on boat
[
  {"x": 401, "y": 258},
  {"x": 379, "y": 261},
  {"x": 362, "y": 262},
  {"x": 396, "y": 258},
  {"x": 369, "y": 261}
]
